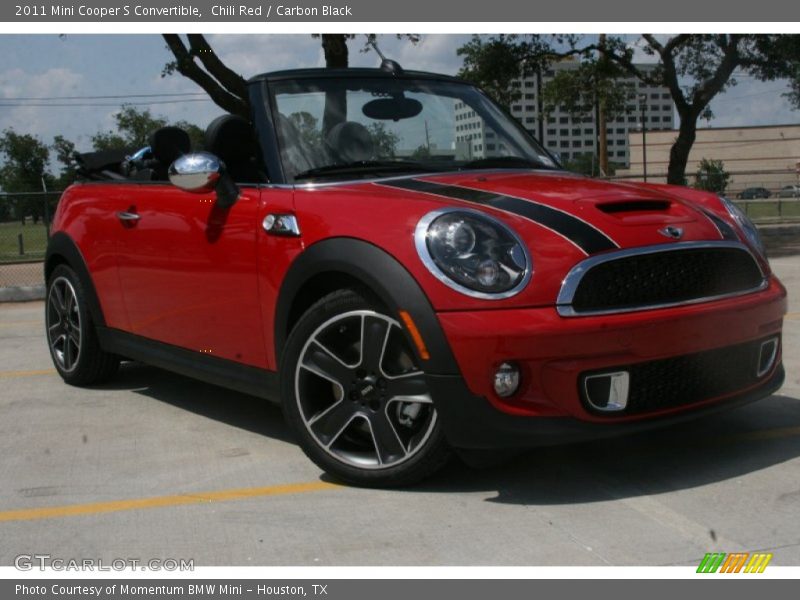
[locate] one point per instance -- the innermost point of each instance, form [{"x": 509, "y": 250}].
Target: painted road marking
[
  {"x": 14, "y": 374},
  {"x": 75, "y": 510}
]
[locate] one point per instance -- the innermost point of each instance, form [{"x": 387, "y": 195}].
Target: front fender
[{"x": 384, "y": 276}]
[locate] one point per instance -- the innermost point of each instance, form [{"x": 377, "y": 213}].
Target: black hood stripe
[
  {"x": 589, "y": 239},
  {"x": 726, "y": 231}
]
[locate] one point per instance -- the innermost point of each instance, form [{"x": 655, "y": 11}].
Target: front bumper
[
  {"x": 553, "y": 353},
  {"x": 470, "y": 422}
]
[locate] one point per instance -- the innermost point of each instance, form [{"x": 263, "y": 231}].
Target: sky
[{"x": 46, "y": 65}]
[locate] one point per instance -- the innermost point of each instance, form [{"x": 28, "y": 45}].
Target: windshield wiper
[
  {"x": 505, "y": 162},
  {"x": 363, "y": 166}
]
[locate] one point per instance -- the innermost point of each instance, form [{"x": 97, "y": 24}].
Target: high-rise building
[{"x": 562, "y": 133}]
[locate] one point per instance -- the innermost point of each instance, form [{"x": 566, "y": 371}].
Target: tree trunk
[
  {"x": 679, "y": 153},
  {"x": 336, "y": 57},
  {"x": 601, "y": 114},
  {"x": 335, "y": 47}
]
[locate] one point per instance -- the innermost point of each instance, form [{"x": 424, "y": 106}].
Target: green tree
[
  {"x": 711, "y": 176},
  {"x": 195, "y": 59},
  {"x": 133, "y": 129},
  {"x": 24, "y": 169},
  {"x": 694, "y": 67},
  {"x": 385, "y": 141}
]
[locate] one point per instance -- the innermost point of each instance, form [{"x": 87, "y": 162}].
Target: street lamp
[{"x": 643, "y": 107}]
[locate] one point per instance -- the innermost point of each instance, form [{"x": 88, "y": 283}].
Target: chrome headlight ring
[{"x": 473, "y": 253}]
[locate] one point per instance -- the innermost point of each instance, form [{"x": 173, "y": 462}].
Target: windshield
[{"x": 372, "y": 127}]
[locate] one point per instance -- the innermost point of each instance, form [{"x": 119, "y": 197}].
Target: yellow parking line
[
  {"x": 13, "y": 374},
  {"x": 74, "y": 510},
  {"x": 793, "y": 316}
]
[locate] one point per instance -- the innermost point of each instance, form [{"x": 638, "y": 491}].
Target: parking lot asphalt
[{"x": 154, "y": 465}]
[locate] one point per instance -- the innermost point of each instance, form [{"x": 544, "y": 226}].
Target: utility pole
[
  {"x": 643, "y": 107},
  {"x": 427, "y": 137},
  {"x": 602, "y": 139}
]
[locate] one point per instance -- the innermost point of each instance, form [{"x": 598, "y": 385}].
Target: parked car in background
[
  {"x": 404, "y": 288},
  {"x": 754, "y": 192},
  {"x": 789, "y": 191}
]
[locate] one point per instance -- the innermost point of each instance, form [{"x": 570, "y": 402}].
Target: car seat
[{"x": 351, "y": 142}]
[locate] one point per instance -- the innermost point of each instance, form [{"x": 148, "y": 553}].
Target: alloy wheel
[
  {"x": 360, "y": 394},
  {"x": 64, "y": 324}
]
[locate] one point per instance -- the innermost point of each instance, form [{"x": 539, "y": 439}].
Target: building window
[
  {"x": 551, "y": 143},
  {"x": 576, "y": 143},
  {"x": 620, "y": 130},
  {"x": 529, "y": 83},
  {"x": 588, "y": 131},
  {"x": 563, "y": 120},
  {"x": 665, "y": 96},
  {"x": 621, "y": 153},
  {"x": 551, "y": 119},
  {"x": 620, "y": 142},
  {"x": 564, "y": 132},
  {"x": 551, "y": 132},
  {"x": 530, "y": 97},
  {"x": 576, "y": 131},
  {"x": 667, "y": 107},
  {"x": 655, "y": 119},
  {"x": 654, "y": 96},
  {"x": 564, "y": 143},
  {"x": 516, "y": 108},
  {"x": 530, "y": 107},
  {"x": 490, "y": 147},
  {"x": 631, "y": 119},
  {"x": 530, "y": 119}
]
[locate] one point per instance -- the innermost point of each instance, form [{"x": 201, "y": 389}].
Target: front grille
[
  {"x": 663, "y": 278},
  {"x": 682, "y": 380}
]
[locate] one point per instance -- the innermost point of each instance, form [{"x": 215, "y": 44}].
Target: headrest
[
  {"x": 230, "y": 137},
  {"x": 169, "y": 143},
  {"x": 351, "y": 141}
]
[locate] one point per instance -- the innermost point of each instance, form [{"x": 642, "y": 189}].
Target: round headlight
[
  {"x": 745, "y": 224},
  {"x": 473, "y": 253}
]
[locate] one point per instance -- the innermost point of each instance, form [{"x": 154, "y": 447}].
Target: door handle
[{"x": 127, "y": 216}]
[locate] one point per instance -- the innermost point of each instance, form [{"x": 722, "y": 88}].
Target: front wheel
[{"x": 355, "y": 397}]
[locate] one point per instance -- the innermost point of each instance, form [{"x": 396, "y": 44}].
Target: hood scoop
[{"x": 629, "y": 206}]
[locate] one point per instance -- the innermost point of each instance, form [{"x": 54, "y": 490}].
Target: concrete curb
[{"x": 22, "y": 293}]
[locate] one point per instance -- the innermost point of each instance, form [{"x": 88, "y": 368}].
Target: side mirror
[{"x": 202, "y": 172}]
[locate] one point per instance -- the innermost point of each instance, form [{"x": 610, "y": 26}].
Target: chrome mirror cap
[{"x": 196, "y": 172}]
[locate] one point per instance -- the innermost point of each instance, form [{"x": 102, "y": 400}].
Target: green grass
[
  {"x": 772, "y": 210},
  {"x": 34, "y": 238}
]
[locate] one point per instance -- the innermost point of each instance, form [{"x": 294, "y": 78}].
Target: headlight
[
  {"x": 473, "y": 253},
  {"x": 745, "y": 224}
]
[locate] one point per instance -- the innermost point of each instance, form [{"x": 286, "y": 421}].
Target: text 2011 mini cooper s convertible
[{"x": 409, "y": 273}]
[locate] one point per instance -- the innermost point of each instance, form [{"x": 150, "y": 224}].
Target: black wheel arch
[
  {"x": 62, "y": 249},
  {"x": 338, "y": 263}
]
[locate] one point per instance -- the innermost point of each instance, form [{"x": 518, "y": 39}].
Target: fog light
[{"x": 506, "y": 380}]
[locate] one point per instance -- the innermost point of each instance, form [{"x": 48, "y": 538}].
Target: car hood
[{"x": 592, "y": 215}]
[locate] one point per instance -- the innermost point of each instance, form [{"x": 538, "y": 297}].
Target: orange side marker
[{"x": 415, "y": 335}]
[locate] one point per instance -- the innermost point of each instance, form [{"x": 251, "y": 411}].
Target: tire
[
  {"x": 366, "y": 418},
  {"x": 71, "y": 336}
]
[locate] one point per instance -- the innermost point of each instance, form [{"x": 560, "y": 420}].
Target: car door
[{"x": 187, "y": 268}]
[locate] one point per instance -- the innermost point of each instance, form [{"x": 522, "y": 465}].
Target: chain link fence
[{"x": 24, "y": 227}]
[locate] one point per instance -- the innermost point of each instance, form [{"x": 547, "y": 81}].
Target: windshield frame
[{"x": 264, "y": 106}]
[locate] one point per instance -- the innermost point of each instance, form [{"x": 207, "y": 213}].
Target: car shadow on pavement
[
  {"x": 211, "y": 401},
  {"x": 688, "y": 455}
]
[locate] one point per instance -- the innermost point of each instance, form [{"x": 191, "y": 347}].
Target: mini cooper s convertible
[{"x": 410, "y": 274}]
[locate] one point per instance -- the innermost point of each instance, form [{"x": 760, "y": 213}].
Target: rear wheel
[
  {"x": 71, "y": 336},
  {"x": 357, "y": 400}
]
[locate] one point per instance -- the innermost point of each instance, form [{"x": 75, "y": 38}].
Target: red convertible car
[{"x": 410, "y": 274}]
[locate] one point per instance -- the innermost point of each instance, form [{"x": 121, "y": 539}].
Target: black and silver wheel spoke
[
  {"x": 410, "y": 388},
  {"x": 378, "y": 411},
  {"x": 388, "y": 445},
  {"x": 318, "y": 359},
  {"x": 374, "y": 335},
  {"x": 331, "y": 423}
]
